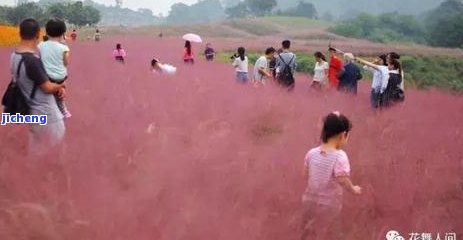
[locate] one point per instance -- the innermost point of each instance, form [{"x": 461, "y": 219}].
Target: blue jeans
[
  {"x": 242, "y": 77},
  {"x": 375, "y": 98}
]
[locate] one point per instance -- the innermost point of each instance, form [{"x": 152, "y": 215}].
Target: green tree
[
  {"x": 230, "y": 3},
  {"x": 81, "y": 15},
  {"x": 239, "y": 11},
  {"x": 407, "y": 27},
  {"x": 202, "y": 12},
  {"x": 261, "y": 7},
  {"x": 303, "y": 9},
  {"x": 145, "y": 11},
  {"x": 211, "y": 10},
  {"x": 58, "y": 10},
  {"x": 388, "y": 27},
  {"x": 93, "y": 15},
  {"x": 179, "y": 13},
  {"x": 445, "y": 25},
  {"x": 3, "y": 14},
  {"x": 29, "y": 10},
  {"x": 447, "y": 32}
]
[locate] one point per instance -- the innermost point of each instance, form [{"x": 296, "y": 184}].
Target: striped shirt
[{"x": 323, "y": 168}]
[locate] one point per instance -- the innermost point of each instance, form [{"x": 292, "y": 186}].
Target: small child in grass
[
  {"x": 119, "y": 53},
  {"x": 327, "y": 169}
]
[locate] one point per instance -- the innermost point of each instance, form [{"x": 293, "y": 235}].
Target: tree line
[
  {"x": 214, "y": 10},
  {"x": 442, "y": 26},
  {"x": 259, "y": 8},
  {"x": 75, "y": 13}
]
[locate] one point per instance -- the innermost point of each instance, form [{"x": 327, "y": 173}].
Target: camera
[{"x": 234, "y": 56}]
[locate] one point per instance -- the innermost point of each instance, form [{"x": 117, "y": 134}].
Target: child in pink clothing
[
  {"x": 328, "y": 171},
  {"x": 119, "y": 53}
]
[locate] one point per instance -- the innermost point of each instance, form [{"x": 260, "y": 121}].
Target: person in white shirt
[
  {"x": 320, "y": 70},
  {"x": 241, "y": 65},
  {"x": 158, "y": 67},
  {"x": 380, "y": 78},
  {"x": 261, "y": 68}
]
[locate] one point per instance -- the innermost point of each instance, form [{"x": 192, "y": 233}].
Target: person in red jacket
[
  {"x": 188, "y": 56},
  {"x": 74, "y": 35},
  {"x": 335, "y": 68}
]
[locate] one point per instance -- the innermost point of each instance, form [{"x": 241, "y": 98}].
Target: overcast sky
[{"x": 158, "y": 6}]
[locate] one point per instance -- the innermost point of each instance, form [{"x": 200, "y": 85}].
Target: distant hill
[
  {"x": 113, "y": 16},
  {"x": 344, "y": 8}
]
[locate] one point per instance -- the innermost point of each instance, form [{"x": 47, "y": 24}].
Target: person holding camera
[
  {"x": 240, "y": 64},
  {"x": 261, "y": 67}
]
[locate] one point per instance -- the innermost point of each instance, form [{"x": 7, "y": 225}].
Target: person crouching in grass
[{"x": 327, "y": 169}]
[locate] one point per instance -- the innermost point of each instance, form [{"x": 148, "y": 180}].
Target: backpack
[
  {"x": 14, "y": 100},
  {"x": 286, "y": 76}
]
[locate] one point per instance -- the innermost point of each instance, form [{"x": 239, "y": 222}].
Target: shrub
[
  {"x": 9, "y": 36},
  {"x": 388, "y": 27}
]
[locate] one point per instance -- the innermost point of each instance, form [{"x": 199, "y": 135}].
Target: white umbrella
[{"x": 192, "y": 38}]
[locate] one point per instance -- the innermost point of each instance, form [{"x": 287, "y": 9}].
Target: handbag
[{"x": 13, "y": 99}]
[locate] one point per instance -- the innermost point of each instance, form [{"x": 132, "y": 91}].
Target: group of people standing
[
  {"x": 336, "y": 73},
  {"x": 278, "y": 65},
  {"x": 339, "y": 75}
]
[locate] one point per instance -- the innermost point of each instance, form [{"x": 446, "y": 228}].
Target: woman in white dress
[{"x": 320, "y": 71}]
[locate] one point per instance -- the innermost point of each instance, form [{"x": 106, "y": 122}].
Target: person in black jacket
[
  {"x": 349, "y": 75},
  {"x": 393, "y": 92}
]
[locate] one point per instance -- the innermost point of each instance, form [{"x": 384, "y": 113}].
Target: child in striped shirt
[{"x": 328, "y": 171}]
